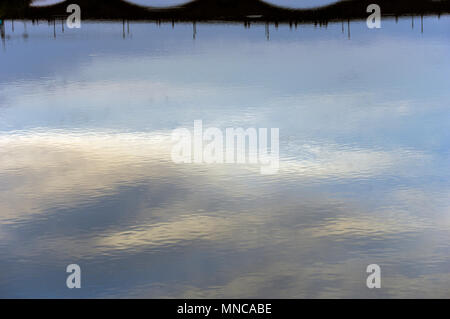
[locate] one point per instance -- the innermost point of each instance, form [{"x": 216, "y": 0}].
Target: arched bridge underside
[{"x": 223, "y": 10}]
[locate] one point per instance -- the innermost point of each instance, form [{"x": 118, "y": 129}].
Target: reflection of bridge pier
[
  {"x": 421, "y": 23},
  {"x": 128, "y": 28},
  {"x": 348, "y": 28},
  {"x": 2, "y": 31},
  {"x": 62, "y": 18},
  {"x": 25, "y": 32},
  {"x": 194, "y": 30}
]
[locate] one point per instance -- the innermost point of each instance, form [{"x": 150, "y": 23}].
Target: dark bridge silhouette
[{"x": 244, "y": 11}]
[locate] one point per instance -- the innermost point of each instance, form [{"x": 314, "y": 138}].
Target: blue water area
[{"x": 86, "y": 175}]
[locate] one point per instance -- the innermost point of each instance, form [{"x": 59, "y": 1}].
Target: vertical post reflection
[
  {"x": 194, "y": 30},
  {"x": 348, "y": 28}
]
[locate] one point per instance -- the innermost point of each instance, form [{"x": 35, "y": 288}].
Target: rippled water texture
[{"x": 86, "y": 175}]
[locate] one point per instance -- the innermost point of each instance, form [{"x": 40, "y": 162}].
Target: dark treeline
[{"x": 222, "y": 10}]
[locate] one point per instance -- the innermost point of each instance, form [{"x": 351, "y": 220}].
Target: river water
[{"x": 86, "y": 175}]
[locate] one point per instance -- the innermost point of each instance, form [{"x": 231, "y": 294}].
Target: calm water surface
[{"x": 86, "y": 175}]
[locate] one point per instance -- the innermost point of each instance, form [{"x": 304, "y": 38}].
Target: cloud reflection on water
[{"x": 86, "y": 176}]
